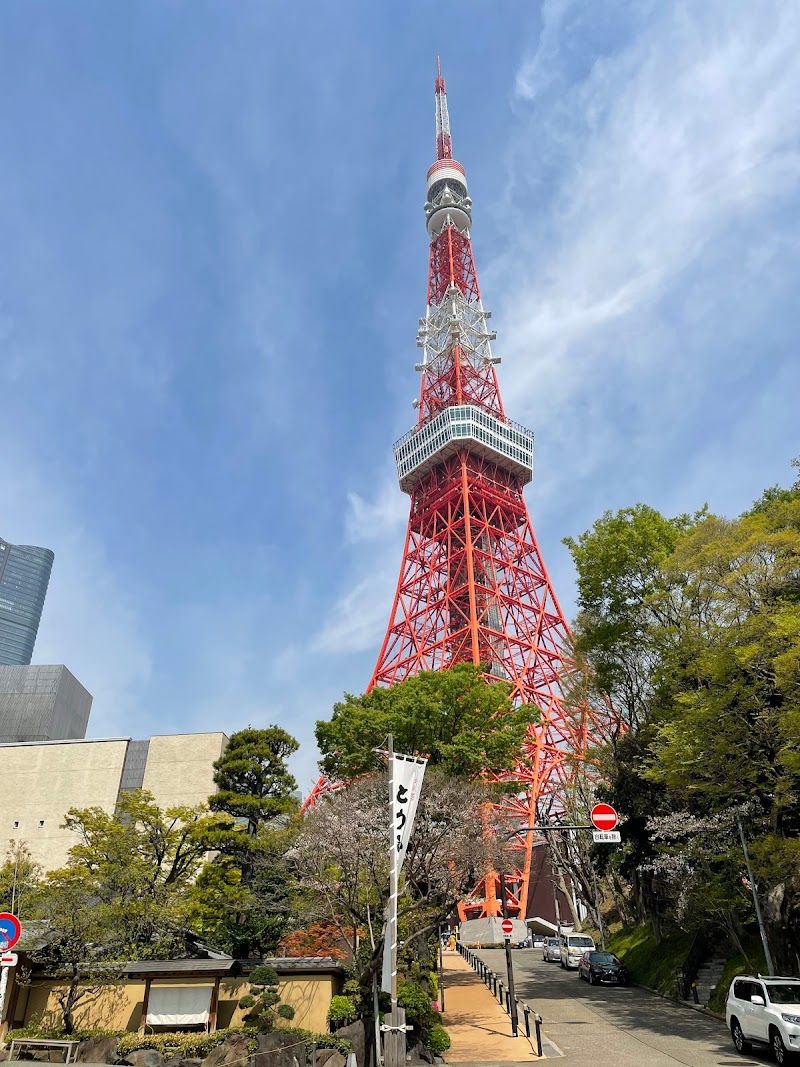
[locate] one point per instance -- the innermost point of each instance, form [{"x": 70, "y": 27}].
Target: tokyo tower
[{"x": 473, "y": 585}]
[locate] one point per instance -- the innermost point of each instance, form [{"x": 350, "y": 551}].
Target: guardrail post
[
  {"x": 526, "y": 1011},
  {"x": 538, "y": 1034},
  {"x": 500, "y": 993}
]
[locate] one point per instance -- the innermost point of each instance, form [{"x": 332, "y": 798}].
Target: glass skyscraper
[{"x": 24, "y": 577}]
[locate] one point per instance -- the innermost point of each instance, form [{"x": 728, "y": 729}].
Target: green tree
[
  {"x": 462, "y": 722},
  {"x": 623, "y": 623},
  {"x": 241, "y": 901},
  {"x": 254, "y": 785},
  {"x": 138, "y": 864},
  {"x": 77, "y": 949},
  {"x": 20, "y": 881}
]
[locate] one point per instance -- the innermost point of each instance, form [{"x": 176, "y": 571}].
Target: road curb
[{"x": 698, "y": 1009}]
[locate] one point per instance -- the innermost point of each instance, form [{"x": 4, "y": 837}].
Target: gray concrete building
[
  {"x": 39, "y": 783},
  {"x": 24, "y": 577},
  {"x": 42, "y": 703}
]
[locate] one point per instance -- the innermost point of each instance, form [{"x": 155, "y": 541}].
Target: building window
[
  {"x": 41, "y": 822},
  {"x": 16, "y": 824}
]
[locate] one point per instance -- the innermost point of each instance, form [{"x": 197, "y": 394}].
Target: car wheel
[
  {"x": 779, "y": 1050},
  {"x": 740, "y": 1044},
  {"x": 592, "y": 979}
]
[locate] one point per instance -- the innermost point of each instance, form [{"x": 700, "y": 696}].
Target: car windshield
[
  {"x": 603, "y": 957},
  {"x": 784, "y": 994},
  {"x": 581, "y": 942},
  {"x": 552, "y": 941}
]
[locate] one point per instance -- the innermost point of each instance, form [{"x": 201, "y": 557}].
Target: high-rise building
[
  {"x": 24, "y": 577},
  {"x": 42, "y": 703}
]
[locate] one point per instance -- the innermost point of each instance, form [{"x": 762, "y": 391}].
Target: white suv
[{"x": 768, "y": 1010}]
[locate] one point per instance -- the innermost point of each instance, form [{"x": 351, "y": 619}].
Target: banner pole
[{"x": 392, "y": 885}]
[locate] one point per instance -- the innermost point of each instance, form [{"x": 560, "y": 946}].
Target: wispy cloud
[
  {"x": 647, "y": 169},
  {"x": 666, "y": 147}
]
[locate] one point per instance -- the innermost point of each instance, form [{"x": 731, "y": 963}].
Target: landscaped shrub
[
  {"x": 341, "y": 1012},
  {"x": 34, "y": 1030},
  {"x": 438, "y": 1040},
  {"x": 286, "y": 1011},
  {"x": 187, "y": 1046},
  {"x": 417, "y": 1003}
]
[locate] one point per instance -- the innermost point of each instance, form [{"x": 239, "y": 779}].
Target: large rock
[
  {"x": 321, "y": 1056},
  {"x": 336, "y": 1060},
  {"x": 233, "y": 1050},
  {"x": 361, "y": 1035},
  {"x": 280, "y": 1050},
  {"x": 145, "y": 1057},
  {"x": 98, "y": 1050}
]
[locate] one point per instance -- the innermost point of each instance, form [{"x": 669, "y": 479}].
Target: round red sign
[
  {"x": 604, "y": 817},
  {"x": 9, "y": 930},
  {"x": 506, "y": 926}
]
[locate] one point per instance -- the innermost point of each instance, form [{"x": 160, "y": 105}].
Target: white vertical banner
[
  {"x": 408, "y": 775},
  {"x": 405, "y": 785}
]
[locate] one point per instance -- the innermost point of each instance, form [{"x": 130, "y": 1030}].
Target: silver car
[{"x": 551, "y": 950}]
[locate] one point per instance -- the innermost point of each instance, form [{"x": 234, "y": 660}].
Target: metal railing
[
  {"x": 497, "y": 988},
  {"x": 687, "y": 972}
]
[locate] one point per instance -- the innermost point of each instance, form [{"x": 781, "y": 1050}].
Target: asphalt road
[{"x": 606, "y": 1026}]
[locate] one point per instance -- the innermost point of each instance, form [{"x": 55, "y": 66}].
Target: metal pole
[
  {"x": 441, "y": 971},
  {"x": 761, "y": 930},
  {"x": 392, "y": 1050},
  {"x": 392, "y": 928},
  {"x": 3, "y": 985},
  {"x": 509, "y": 965},
  {"x": 599, "y": 912}
]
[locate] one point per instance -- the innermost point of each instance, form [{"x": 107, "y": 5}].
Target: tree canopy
[
  {"x": 692, "y": 626},
  {"x": 460, "y": 721}
]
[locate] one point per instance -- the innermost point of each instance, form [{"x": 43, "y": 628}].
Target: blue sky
[{"x": 214, "y": 259}]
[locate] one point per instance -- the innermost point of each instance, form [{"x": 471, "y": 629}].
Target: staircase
[{"x": 709, "y": 975}]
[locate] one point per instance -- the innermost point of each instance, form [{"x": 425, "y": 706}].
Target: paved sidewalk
[{"x": 479, "y": 1028}]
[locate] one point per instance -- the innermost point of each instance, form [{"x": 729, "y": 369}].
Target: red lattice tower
[{"x": 473, "y": 585}]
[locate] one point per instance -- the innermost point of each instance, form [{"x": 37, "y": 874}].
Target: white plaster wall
[
  {"x": 40, "y": 783},
  {"x": 179, "y": 769}
]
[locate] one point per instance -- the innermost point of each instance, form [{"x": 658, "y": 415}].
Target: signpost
[
  {"x": 604, "y": 817},
  {"x": 507, "y": 926},
  {"x": 10, "y": 931}
]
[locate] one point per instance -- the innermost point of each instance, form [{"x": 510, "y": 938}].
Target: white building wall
[
  {"x": 39, "y": 783},
  {"x": 179, "y": 769}
]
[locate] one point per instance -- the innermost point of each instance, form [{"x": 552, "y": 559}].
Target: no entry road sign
[
  {"x": 604, "y": 817},
  {"x": 10, "y": 930},
  {"x": 507, "y": 926}
]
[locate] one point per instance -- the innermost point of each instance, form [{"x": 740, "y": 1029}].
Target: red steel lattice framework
[{"x": 473, "y": 584}]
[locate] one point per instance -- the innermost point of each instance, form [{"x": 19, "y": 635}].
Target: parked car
[
  {"x": 765, "y": 1010},
  {"x": 572, "y": 947},
  {"x": 602, "y": 968},
  {"x": 550, "y": 949},
  {"x": 538, "y": 940}
]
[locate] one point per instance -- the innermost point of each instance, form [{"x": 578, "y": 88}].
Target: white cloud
[
  {"x": 627, "y": 170},
  {"x": 687, "y": 133},
  {"x": 379, "y": 518}
]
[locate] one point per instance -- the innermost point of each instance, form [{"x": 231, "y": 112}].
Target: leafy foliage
[
  {"x": 692, "y": 627},
  {"x": 321, "y": 938},
  {"x": 438, "y": 1040},
  {"x": 241, "y": 899},
  {"x": 463, "y": 724},
  {"x": 342, "y": 1011}
]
